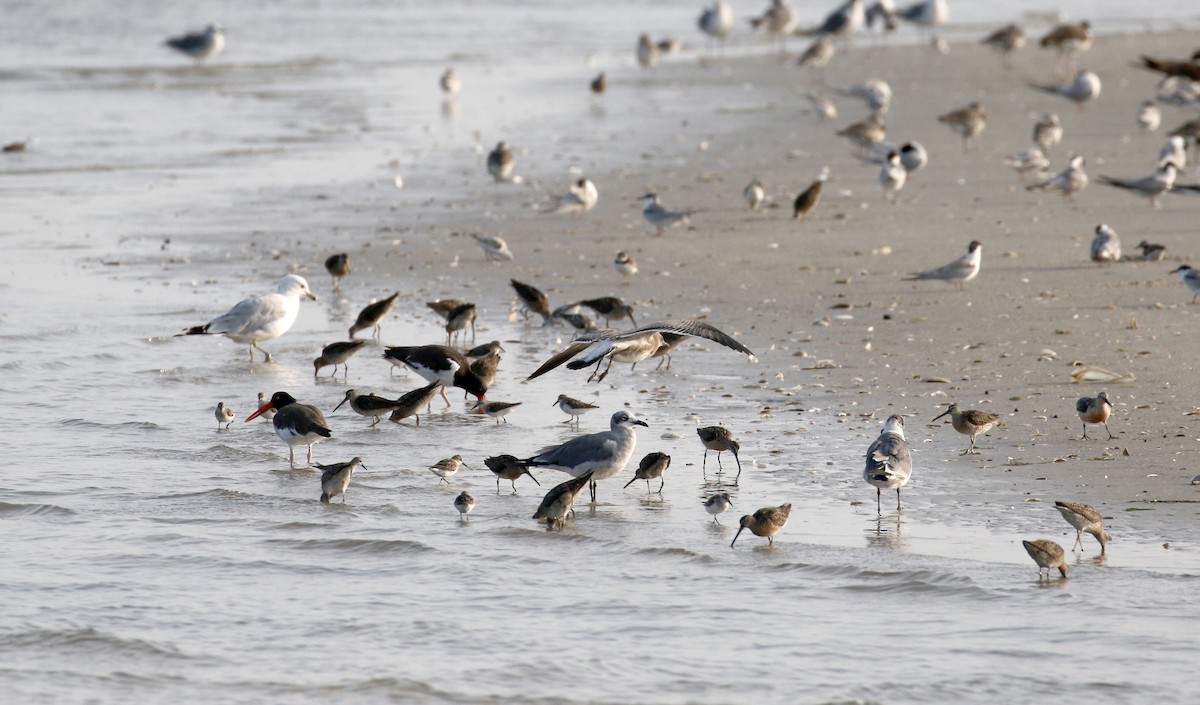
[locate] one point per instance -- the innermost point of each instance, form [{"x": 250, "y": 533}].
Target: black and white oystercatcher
[{"x": 297, "y": 424}]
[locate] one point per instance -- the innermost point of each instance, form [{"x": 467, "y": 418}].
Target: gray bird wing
[
  {"x": 249, "y": 314},
  {"x": 957, "y": 269},
  {"x": 889, "y": 455},
  {"x": 694, "y": 328},
  {"x": 594, "y": 447}
]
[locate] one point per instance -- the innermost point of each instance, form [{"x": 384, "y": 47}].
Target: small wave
[
  {"x": 83, "y": 641},
  {"x": 15, "y": 510},
  {"x": 123, "y": 426},
  {"x": 359, "y": 546}
]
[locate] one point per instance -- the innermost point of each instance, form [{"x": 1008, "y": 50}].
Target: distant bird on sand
[
  {"x": 200, "y": 45},
  {"x": 958, "y": 272}
]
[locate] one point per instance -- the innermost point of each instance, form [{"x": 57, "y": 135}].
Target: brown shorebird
[
  {"x": 866, "y": 134},
  {"x": 717, "y": 504},
  {"x": 458, "y": 320},
  {"x": 1168, "y": 68},
  {"x": 373, "y": 314},
  {"x": 337, "y": 354},
  {"x": 560, "y": 501},
  {"x": 532, "y": 300},
  {"x": 650, "y": 467},
  {"x": 969, "y": 422},
  {"x": 495, "y": 409},
  {"x": 485, "y": 350},
  {"x": 765, "y": 522},
  {"x": 610, "y": 308},
  {"x": 1047, "y": 555},
  {"x": 573, "y": 408},
  {"x": 443, "y": 307},
  {"x": 1094, "y": 410},
  {"x": 295, "y": 423},
  {"x": 224, "y": 415},
  {"x": 368, "y": 405},
  {"x": 410, "y": 403},
  {"x": 485, "y": 369},
  {"x": 500, "y": 162},
  {"x": 1084, "y": 518},
  {"x": 719, "y": 438},
  {"x": 508, "y": 467},
  {"x": 338, "y": 266},
  {"x": 808, "y": 199},
  {"x": 464, "y": 503},
  {"x": 968, "y": 122},
  {"x": 335, "y": 478},
  {"x": 1152, "y": 252},
  {"x": 1006, "y": 40},
  {"x": 1068, "y": 40},
  {"x": 446, "y": 467},
  {"x": 1047, "y": 132},
  {"x": 599, "y": 84}
]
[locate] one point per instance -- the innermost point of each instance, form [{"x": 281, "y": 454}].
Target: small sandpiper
[
  {"x": 496, "y": 409},
  {"x": 1084, "y": 518},
  {"x": 1047, "y": 555},
  {"x": 335, "y": 478},
  {"x": 458, "y": 320},
  {"x": 648, "y": 53},
  {"x": 1152, "y": 252},
  {"x": 446, "y": 467},
  {"x": 443, "y": 307},
  {"x": 625, "y": 264},
  {"x": 1094, "y": 410},
  {"x": 719, "y": 438},
  {"x": 464, "y": 503},
  {"x": 373, "y": 314},
  {"x": 338, "y": 266},
  {"x": 717, "y": 504},
  {"x": 969, "y": 422},
  {"x": 495, "y": 249},
  {"x": 337, "y": 354},
  {"x": 599, "y": 84},
  {"x": 485, "y": 369},
  {"x": 501, "y": 162},
  {"x": 1006, "y": 40},
  {"x": 866, "y": 133},
  {"x": 573, "y": 408},
  {"x": 1030, "y": 161},
  {"x": 1047, "y": 132},
  {"x": 969, "y": 122},
  {"x": 754, "y": 194},
  {"x": 450, "y": 82},
  {"x": 765, "y": 522},
  {"x": 224, "y": 415},
  {"x": 487, "y": 349},
  {"x": 508, "y": 467},
  {"x": 650, "y": 467}
]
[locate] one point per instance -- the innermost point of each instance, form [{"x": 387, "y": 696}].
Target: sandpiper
[
  {"x": 1084, "y": 518},
  {"x": 464, "y": 503},
  {"x": 657, "y": 215},
  {"x": 808, "y": 199},
  {"x": 485, "y": 350},
  {"x": 200, "y": 45},
  {"x": 1152, "y": 252},
  {"x": 373, "y": 314},
  {"x": 338, "y": 266},
  {"x": 508, "y": 467},
  {"x": 599, "y": 84},
  {"x": 369, "y": 405},
  {"x": 610, "y": 308},
  {"x": 337, "y": 354},
  {"x": 720, "y": 439},
  {"x": 1085, "y": 88},
  {"x": 269, "y": 414},
  {"x": 1106, "y": 246},
  {"x": 446, "y": 467},
  {"x": 224, "y": 415},
  {"x": 532, "y": 300},
  {"x": 573, "y": 408},
  {"x": 625, "y": 264},
  {"x": 866, "y": 133},
  {"x": 648, "y": 53},
  {"x": 1149, "y": 117},
  {"x": 1153, "y": 186},
  {"x": 335, "y": 478},
  {"x": 438, "y": 363},
  {"x": 560, "y": 501},
  {"x": 259, "y": 318},
  {"x": 1070, "y": 180},
  {"x": 1006, "y": 40},
  {"x": 969, "y": 122},
  {"x": 779, "y": 21},
  {"x": 969, "y": 422},
  {"x": 495, "y": 409},
  {"x": 765, "y": 522},
  {"x": 458, "y": 320},
  {"x": 495, "y": 249},
  {"x": 1068, "y": 40},
  {"x": 485, "y": 369},
  {"x": 1094, "y": 410},
  {"x": 295, "y": 423},
  {"x": 889, "y": 461},
  {"x": 716, "y": 504},
  {"x": 410, "y": 403},
  {"x": 958, "y": 272},
  {"x": 892, "y": 176},
  {"x": 599, "y": 455},
  {"x": 1047, "y": 132},
  {"x": 819, "y": 53},
  {"x": 500, "y": 162},
  {"x": 651, "y": 466},
  {"x": 450, "y": 82},
  {"x": 754, "y": 194},
  {"x": 443, "y": 307},
  {"x": 1047, "y": 555},
  {"x": 1190, "y": 278}
]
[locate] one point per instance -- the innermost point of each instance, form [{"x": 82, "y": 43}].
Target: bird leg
[
  {"x": 897, "y": 499},
  {"x": 1110, "y": 436},
  {"x": 310, "y": 455},
  {"x": 292, "y": 456},
  {"x": 444, "y": 397},
  {"x": 878, "y": 510}
]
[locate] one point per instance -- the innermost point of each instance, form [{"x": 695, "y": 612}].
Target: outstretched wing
[{"x": 694, "y": 328}]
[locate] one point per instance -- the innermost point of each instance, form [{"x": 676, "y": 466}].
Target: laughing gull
[
  {"x": 337, "y": 354},
  {"x": 632, "y": 346},
  {"x": 199, "y": 45},
  {"x": 958, "y": 272},
  {"x": 1095, "y": 409},
  {"x": 766, "y": 522},
  {"x": 295, "y": 423},
  {"x": 335, "y": 478},
  {"x": 1047, "y": 555},
  {"x": 373, "y": 314},
  {"x": 889, "y": 461},
  {"x": 1084, "y": 518},
  {"x": 259, "y": 318},
  {"x": 969, "y": 422},
  {"x": 598, "y": 456}
]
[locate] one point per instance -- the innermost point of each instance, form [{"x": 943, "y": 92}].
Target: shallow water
[{"x": 151, "y": 557}]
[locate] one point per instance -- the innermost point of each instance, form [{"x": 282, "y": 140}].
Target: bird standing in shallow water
[
  {"x": 969, "y": 422},
  {"x": 373, "y": 314},
  {"x": 717, "y": 504},
  {"x": 1047, "y": 555},
  {"x": 338, "y": 266},
  {"x": 295, "y": 423},
  {"x": 1084, "y": 518},
  {"x": 337, "y": 354},
  {"x": 335, "y": 479},
  {"x": 651, "y": 466},
  {"x": 765, "y": 522},
  {"x": 560, "y": 501},
  {"x": 446, "y": 467},
  {"x": 200, "y": 45},
  {"x": 720, "y": 439},
  {"x": 224, "y": 415},
  {"x": 889, "y": 461},
  {"x": 259, "y": 318},
  {"x": 1094, "y": 410},
  {"x": 464, "y": 503},
  {"x": 508, "y": 467},
  {"x": 573, "y": 408}
]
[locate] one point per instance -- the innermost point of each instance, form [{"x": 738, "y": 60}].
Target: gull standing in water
[
  {"x": 766, "y": 522},
  {"x": 958, "y": 272},
  {"x": 1070, "y": 181},
  {"x": 295, "y": 423},
  {"x": 969, "y": 422},
  {"x": 1153, "y": 186},
  {"x": 200, "y": 45},
  {"x": 1106, "y": 246},
  {"x": 632, "y": 346},
  {"x": 1084, "y": 518},
  {"x": 657, "y": 215},
  {"x": 373, "y": 314},
  {"x": 1094, "y": 410},
  {"x": 1190, "y": 278},
  {"x": 224, "y": 415},
  {"x": 259, "y": 318},
  {"x": 1047, "y": 555},
  {"x": 597, "y": 456},
  {"x": 889, "y": 461},
  {"x": 1085, "y": 88},
  {"x": 335, "y": 478}
]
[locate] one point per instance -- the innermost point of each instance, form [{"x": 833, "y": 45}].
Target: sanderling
[
  {"x": 626, "y": 265},
  {"x": 200, "y": 45},
  {"x": 296, "y": 424},
  {"x": 1153, "y": 186},
  {"x": 1152, "y": 252},
  {"x": 1047, "y": 132},
  {"x": 716, "y": 504},
  {"x": 969, "y": 121},
  {"x": 1006, "y": 40},
  {"x": 495, "y": 249},
  {"x": 1030, "y": 161},
  {"x": 1068, "y": 40},
  {"x": 1094, "y": 410},
  {"x": 969, "y": 422},
  {"x": 580, "y": 198},
  {"x": 337, "y": 354},
  {"x": 447, "y": 467},
  {"x": 754, "y": 194},
  {"x": 335, "y": 478},
  {"x": 889, "y": 461},
  {"x": 766, "y": 522},
  {"x": 464, "y": 503},
  {"x": 573, "y": 408},
  {"x": 720, "y": 439},
  {"x": 1070, "y": 181},
  {"x": 224, "y": 415},
  {"x": 338, "y": 266},
  {"x": 958, "y": 272},
  {"x": 450, "y": 83},
  {"x": 1084, "y": 518},
  {"x": 657, "y": 215},
  {"x": 596, "y": 455},
  {"x": 653, "y": 465},
  {"x": 373, "y": 314},
  {"x": 1149, "y": 117},
  {"x": 806, "y": 202},
  {"x": 1106, "y": 246},
  {"x": 500, "y": 162},
  {"x": 1047, "y": 555},
  {"x": 269, "y": 414},
  {"x": 370, "y": 406},
  {"x": 892, "y": 176},
  {"x": 1085, "y": 88},
  {"x": 1190, "y": 278},
  {"x": 648, "y": 54},
  {"x": 496, "y": 409},
  {"x": 508, "y": 467},
  {"x": 259, "y": 318}
]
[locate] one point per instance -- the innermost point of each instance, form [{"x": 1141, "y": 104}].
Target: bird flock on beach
[{"x": 596, "y": 346}]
